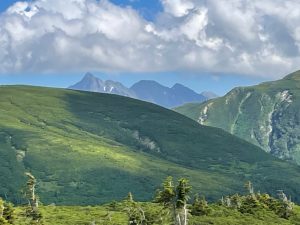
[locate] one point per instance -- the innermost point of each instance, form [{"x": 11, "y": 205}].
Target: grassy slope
[
  {"x": 82, "y": 147},
  {"x": 71, "y": 215},
  {"x": 266, "y": 115}
]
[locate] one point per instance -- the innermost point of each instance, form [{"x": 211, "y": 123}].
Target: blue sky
[
  {"x": 218, "y": 84},
  {"x": 185, "y": 58},
  {"x": 5, "y": 3}
]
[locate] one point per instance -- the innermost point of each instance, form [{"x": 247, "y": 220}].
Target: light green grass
[{"x": 100, "y": 215}]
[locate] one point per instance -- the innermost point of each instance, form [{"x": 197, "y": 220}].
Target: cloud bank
[{"x": 253, "y": 37}]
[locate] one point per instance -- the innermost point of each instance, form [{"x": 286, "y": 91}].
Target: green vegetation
[
  {"x": 266, "y": 115},
  {"x": 171, "y": 207},
  {"x": 89, "y": 148}
]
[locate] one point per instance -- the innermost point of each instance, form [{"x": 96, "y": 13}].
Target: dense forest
[{"x": 172, "y": 204}]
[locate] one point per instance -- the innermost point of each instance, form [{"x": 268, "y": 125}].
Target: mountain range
[
  {"x": 146, "y": 90},
  {"x": 86, "y": 148},
  {"x": 266, "y": 115}
]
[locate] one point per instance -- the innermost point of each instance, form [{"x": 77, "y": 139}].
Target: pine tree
[
  {"x": 175, "y": 199},
  {"x": 167, "y": 195},
  {"x": 183, "y": 189}
]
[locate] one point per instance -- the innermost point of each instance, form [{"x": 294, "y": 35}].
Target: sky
[{"x": 207, "y": 45}]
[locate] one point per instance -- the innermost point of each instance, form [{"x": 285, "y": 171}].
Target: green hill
[
  {"x": 88, "y": 148},
  {"x": 266, "y": 115}
]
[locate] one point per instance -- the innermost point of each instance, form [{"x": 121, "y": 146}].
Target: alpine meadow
[{"x": 161, "y": 112}]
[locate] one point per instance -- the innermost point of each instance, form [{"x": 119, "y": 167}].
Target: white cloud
[
  {"x": 177, "y": 8},
  {"x": 231, "y": 36}
]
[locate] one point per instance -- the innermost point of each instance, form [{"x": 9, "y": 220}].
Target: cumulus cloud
[{"x": 253, "y": 37}]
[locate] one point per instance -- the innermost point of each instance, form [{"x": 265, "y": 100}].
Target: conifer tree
[
  {"x": 183, "y": 189},
  {"x": 175, "y": 199},
  {"x": 166, "y": 196}
]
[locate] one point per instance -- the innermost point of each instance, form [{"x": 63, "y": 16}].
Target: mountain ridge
[
  {"x": 87, "y": 148},
  {"x": 266, "y": 115},
  {"x": 146, "y": 90}
]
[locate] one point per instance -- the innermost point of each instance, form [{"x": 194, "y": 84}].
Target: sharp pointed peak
[{"x": 89, "y": 75}]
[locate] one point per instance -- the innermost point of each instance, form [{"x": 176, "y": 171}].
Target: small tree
[
  {"x": 130, "y": 197},
  {"x": 286, "y": 207},
  {"x": 236, "y": 201},
  {"x": 250, "y": 188},
  {"x": 200, "y": 207},
  {"x": 175, "y": 198},
  {"x": 183, "y": 189},
  {"x": 32, "y": 210},
  {"x": 167, "y": 195},
  {"x": 250, "y": 205},
  {"x": 134, "y": 211}
]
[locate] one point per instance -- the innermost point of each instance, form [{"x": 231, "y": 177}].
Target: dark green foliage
[
  {"x": 9, "y": 212},
  {"x": 167, "y": 194},
  {"x": 250, "y": 204},
  {"x": 175, "y": 198},
  {"x": 183, "y": 190},
  {"x": 256, "y": 203},
  {"x": 200, "y": 207}
]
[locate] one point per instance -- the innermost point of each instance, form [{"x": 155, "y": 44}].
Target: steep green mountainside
[
  {"x": 266, "y": 115},
  {"x": 88, "y": 148}
]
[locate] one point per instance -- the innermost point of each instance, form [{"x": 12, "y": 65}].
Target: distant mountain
[
  {"x": 209, "y": 95},
  {"x": 154, "y": 92},
  {"x": 266, "y": 115},
  {"x": 146, "y": 90},
  {"x": 91, "y": 83}
]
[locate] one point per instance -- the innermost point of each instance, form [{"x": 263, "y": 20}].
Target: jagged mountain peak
[
  {"x": 94, "y": 84},
  {"x": 147, "y": 90},
  {"x": 88, "y": 75}
]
